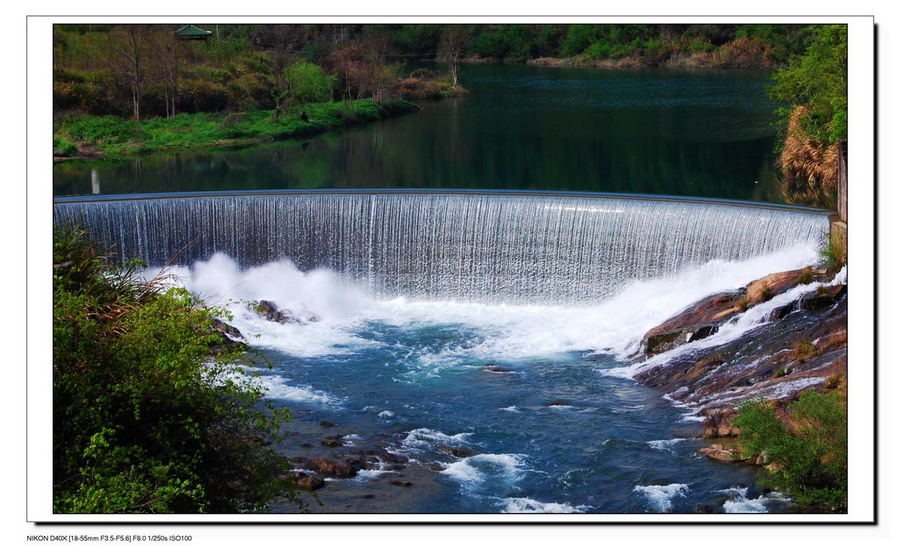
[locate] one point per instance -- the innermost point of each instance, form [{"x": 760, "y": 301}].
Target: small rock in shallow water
[
  {"x": 333, "y": 441},
  {"x": 458, "y": 452},
  {"x": 496, "y": 369}
]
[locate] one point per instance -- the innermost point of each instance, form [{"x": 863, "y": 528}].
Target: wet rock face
[
  {"x": 328, "y": 468},
  {"x": 803, "y": 343},
  {"x": 227, "y": 337},
  {"x": 696, "y": 322},
  {"x": 704, "y": 317},
  {"x": 308, "y": 481},
  {"x": 270, "y": 311},
  {"x": 496, "y": 369}
]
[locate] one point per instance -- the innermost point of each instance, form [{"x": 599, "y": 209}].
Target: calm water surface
[{"x": 694, "y": 133}]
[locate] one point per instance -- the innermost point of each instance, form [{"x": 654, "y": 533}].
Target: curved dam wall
[{"x": 451, "y": 245}]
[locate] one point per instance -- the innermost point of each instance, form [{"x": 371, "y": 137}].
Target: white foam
[
  {"x": 365, "y": 475},
  {"x": 277, "y": 388},
  {"x": 665, "y": 444},
  {"x": 660, "y": 497},
  {"x": 477, "y": 468},
  {"x": 385, "y": 414},
  {"x": 501, "y": 332},
  {"x": 425, "y": 438},
  {"x": 526, "y": 505},
  {"x": 511, "y": 408},
  {"x": 740, "y": 503}
]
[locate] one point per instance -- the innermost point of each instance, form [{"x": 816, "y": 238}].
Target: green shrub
[
  {"x": 833, "y": 254},
  {"x": 806, "y": 276},
  {"x": 62, "y": 147},
  {"x": 103, "y": 129},
  {"x": 810, "y": 463},
  {"x": 149, "y": 415}
]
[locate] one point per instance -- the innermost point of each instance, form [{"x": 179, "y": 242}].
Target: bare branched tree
[
  {"x": 452, "y": 48},
  {"x": 128, "y": 58}
]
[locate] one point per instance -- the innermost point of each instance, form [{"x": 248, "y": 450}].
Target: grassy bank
[{"x": 86, "y": 135}]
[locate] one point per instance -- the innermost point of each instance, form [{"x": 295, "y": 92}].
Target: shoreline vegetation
[
  {"x": 86, "y": 136},
  {"x": 775, "y": 396}
]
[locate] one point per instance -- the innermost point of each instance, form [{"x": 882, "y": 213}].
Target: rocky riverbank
[{"x": 775, "y": 338}]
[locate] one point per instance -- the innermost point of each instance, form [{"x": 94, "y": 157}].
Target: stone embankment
[{"x": 778, "y": 336}]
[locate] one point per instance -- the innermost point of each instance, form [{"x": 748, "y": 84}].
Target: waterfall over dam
[{"x": 501, "y": 247}]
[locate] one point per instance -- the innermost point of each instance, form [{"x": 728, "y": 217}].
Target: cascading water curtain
[{"x": 486, "y": 247}]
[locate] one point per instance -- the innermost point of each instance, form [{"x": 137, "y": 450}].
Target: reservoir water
[{"x": 689, "y": 133}]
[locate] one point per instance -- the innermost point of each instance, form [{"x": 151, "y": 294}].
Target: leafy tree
[
  {"x": 307, "y": 83},
  {"x": 817, "y": 81},
  {"x": 150, "y": 413},
  {"x": 579, "y": 38}
]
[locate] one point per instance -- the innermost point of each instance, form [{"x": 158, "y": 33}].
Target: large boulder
[
  {"x": 765, "y": 288},
  {"x": 823, "y": 297},
  {"x": 699, "y": 320},
  {"x": 719, "y": 452},
  {"x": 328, "y": 468},
  {"x": 308, "y": 481}
]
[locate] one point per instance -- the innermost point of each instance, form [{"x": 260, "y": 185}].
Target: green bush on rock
[
  {"x": 809, "y": 460},
  {"x": 148, "y": 416}
]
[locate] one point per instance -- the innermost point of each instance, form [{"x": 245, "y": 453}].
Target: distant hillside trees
[{"x": 143, "y": 70}]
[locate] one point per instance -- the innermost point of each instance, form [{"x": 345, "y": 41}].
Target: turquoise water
[{"x": 514, "y": 407}]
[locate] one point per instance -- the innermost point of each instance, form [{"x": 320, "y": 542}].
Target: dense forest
[{"x": 145, "y": 70}]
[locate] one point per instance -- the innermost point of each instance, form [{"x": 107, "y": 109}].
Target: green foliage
[
  {"x": 62, "y": 147},
  {"x": 417, "y": 39},
  {"x": 811, "y": 463},
  {"x": 817, "y": 80},
  {"x": 806, "y": 276},
  {"x": 784, "y": 40},
  {"x": 491, "y": 44},
  {"x": 119, "y": 136},
  {"x": 833, "y": 254},
  {"x": 308, "y": 83},
  {"x": 579, "y": 38},
  {"x": 149, "y": 416},
  {"x": 102, "y": 130}
]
